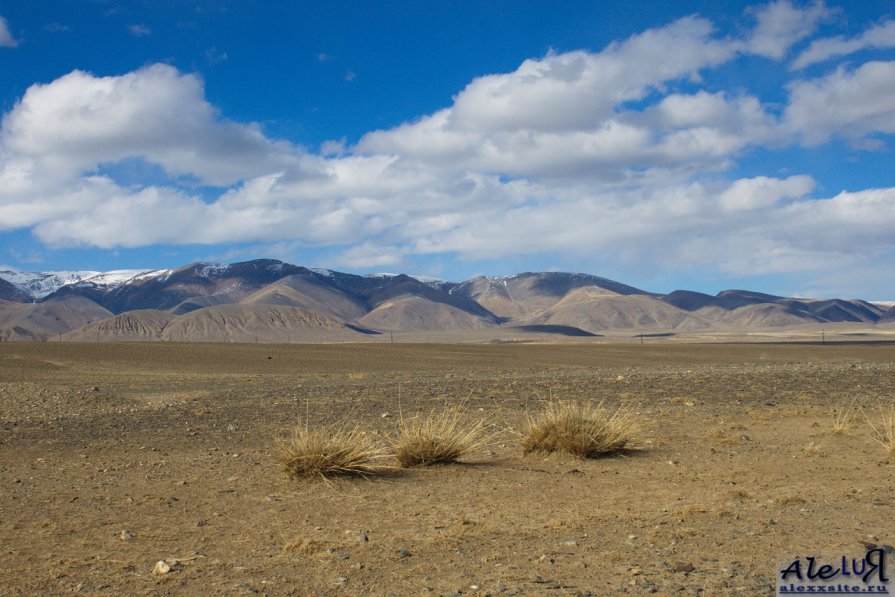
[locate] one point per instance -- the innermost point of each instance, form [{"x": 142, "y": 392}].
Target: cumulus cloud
[
  {"x": 849, "y": 103},
  {"x": 620, "y": 153},
  {"x": 6, "y": 38},
  {"x": 879, "y": 36},
  {"x": 80, "y": 121},
  {"x": 577, "y": 90},
  {"x": 780, "y": 25}
]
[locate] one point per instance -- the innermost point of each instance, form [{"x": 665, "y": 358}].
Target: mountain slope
[
  {"x": 257, "y": 323},
  {"x": 11, "y": 292},
  {"x": 50, "y": 318},
  {"x": 409, "y": 312},
  {"x": 596, "y": 310},
  {"x": 134, "y": 326},
  {"x": 307, "y": 291},
  {"x": 525, "y": 295}
]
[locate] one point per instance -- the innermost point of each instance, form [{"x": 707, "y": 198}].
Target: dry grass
[
  {"x": 883, "y": 431},
  {"x": 438, "y": 438},
  {"x": 330, "y": 451},
  {"x": 841, "y": 418},
  {"x": 586, "y": 430}
]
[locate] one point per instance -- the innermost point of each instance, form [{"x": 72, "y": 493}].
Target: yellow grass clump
[
  {"x": 841, "y": 418},
  {"x": 330, "y": 451},
  {"x": 438, "y": 438},
  {"x": 883, "y": 431},
  {"x": 585, "y": 430}
]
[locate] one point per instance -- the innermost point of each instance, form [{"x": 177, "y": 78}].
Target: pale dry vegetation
[
  {"x": 883, "y": 430},
  {"x": 330, "y": 451},
  {"x": 583, "y": 429},
  {"x": 438, "y": 438},
  {"x": 841, "y": 418}
]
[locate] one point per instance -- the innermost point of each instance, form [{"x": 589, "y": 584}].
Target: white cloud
[
  {"x": 215, "y": 56},
  {"x": 139, "y": 30},
  {"x": 6, "y": 38},
  {"x": 762, "y": 192},
  {"x": 878, "y": 36},
  {"x": 780, "y": 25},
  {"x": 578, "y": 90},
  {"x": 79, "y": 121},
  {"x": 56, "y": 27},
  {"x": 852, "y": 104}
]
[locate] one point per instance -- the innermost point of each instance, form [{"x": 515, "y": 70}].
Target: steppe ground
[{"x": 113, "y": 457}]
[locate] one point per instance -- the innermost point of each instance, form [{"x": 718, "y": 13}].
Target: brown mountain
[
  {"x": 410, "y": 312},
  {"x": 47, "y": 319},
  {"x": 258, "y": 323},
  {"x": 142, "y": 325},
  {"x": 271, "y": 301},
  {"x": 597, "y": 310}
]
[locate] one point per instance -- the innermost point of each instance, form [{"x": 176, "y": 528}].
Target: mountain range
[{"x": 271, "y": 301}]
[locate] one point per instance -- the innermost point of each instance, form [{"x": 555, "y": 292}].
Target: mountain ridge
[{"x": 271, "y": 300}]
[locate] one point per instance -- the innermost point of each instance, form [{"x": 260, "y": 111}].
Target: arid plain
[{"x": 116, "y": 456}]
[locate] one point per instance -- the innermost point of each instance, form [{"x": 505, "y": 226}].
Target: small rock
[
  {"x": 94, "y": 389},
  {"x": 403, "y": 553},
  {"x": 161, "y": 568},
  {"x": 126, "y": 535},
  {"x": 362, "y": 538},
  {"x": 570, "y": 543},
  {"x": 681, "y": 567},
  {"x": 620, "y": 378},
  {"x": 385, "y": 415},
  {"x": 342, "y": 580}
]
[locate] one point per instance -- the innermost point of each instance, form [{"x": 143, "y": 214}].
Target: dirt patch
[{"x": 116, "y": 457}]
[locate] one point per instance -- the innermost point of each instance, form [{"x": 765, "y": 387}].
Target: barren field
[{"x": 114, "y": 457}]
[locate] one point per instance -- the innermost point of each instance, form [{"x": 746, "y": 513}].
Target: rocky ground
[{"x": 116, "y": 457}]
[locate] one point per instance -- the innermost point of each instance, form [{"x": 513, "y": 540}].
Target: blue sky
[{"x": 698, "y": 145}]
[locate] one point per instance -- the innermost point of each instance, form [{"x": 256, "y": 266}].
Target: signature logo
[{"x": 842, "y": 576}]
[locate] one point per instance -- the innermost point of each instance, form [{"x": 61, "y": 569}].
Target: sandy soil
[{"x": 113, "y": 457}]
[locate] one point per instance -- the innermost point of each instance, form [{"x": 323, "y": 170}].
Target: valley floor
[{"x": 114, "y": 456}]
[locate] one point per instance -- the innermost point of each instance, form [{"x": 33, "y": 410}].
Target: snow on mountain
[
  {"x": 427, "y": 279},
  {"x": 115, "y": 277},
  {"x": 43, "y": 284},
  {"x": 209, "y": 270}
]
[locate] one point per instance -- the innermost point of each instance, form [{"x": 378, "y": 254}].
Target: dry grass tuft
[
  {"x": 884, "y": 430},
  {"x": 330, "y": 451},
  {"x": 841, "y": 418},
  {"x": 439, "y": 438},
  {"x": 583, "y": 429}
]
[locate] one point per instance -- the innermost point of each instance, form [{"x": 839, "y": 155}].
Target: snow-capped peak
[{"x": 42, "y": 284}]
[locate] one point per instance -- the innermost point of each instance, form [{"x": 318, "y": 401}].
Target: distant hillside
[{"x": 271, "y": 301}]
